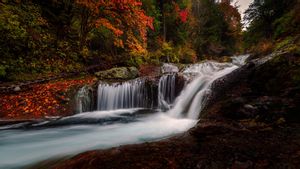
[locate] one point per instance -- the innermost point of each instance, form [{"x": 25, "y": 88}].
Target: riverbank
[
  {"x": 254, "y": 124},
  {"x": 44, "y": 100}
]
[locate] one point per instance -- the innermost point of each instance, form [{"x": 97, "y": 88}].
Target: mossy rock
[{"x": 118, "y": 73}]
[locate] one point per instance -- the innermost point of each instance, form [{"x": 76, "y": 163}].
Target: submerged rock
[{"x": 123, "y": 73}]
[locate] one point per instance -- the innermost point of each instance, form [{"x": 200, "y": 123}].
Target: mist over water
[
  {"x": 137, "y": 123},
  {"x": 21, "y": 147}
]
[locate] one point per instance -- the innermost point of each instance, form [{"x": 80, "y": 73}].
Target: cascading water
[
  {"x": 84, "y": 99},
  {"x": 108, "y": 128},
  {"x": 193, "y": 97},
  {"x": 169, "y": 68},
  {"x": 166, "y": 91},
  {"x": 132, "y": 94}
]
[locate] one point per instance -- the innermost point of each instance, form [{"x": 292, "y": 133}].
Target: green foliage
[
  {"x": 211, "y": 33},
  {"x": 284, "y": 43},
  {"x": 271, "y": 20},
  {"x": 136, "y": 58},
  {"x": 168, "y": 53},
  {"x": 30, "y": 46},
  {"x": 135, "y": 61},
  {"x": 2, "y": 71},
  {"x": 281, "y": 25},
  {"x": 101, "y": 39},
  {"x": 186, "y": 54},
  {"x": 151, "y": 8}
]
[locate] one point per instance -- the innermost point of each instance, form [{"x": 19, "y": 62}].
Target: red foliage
[
  {"x": 40, "y": 101},
  {"x": 184, "y": 15}
]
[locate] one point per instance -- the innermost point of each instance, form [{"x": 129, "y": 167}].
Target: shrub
[
  {"x": 168, "y": 53},
  {"x": 2, "y": 71},
  {"x": 186, "y": 54}
]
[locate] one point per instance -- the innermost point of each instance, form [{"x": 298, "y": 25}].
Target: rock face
[{"x": 120, "y": 73}]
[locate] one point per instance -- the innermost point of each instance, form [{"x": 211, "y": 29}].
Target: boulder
[
  {"x": 17, "y": 88},
  {"x": 123, "y": 73}
]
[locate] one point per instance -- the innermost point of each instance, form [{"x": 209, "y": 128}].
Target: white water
[
  {"x": 84, "y": 99},
  {"x": 131, "y": 94},
  {"x": 190, "y": 102},
  {"x": 19, "y": 147},
  {"x": 169, "y": 68},
  {"x": 104, "y": 129},
  {"x": 166, "y": 91}
]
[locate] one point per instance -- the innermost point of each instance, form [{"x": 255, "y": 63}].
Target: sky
[{"x": 244, "y": 4}]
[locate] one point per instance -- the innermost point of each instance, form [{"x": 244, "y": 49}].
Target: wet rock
[
  {"x": 249, "y": 107},
  {"x": 239, "y": 101},
  {"x": 150, "y": 71},
  {"x": 118, "y": 73},
  {"x": 242, "y": 165},
  {"x": 249, "y": 111},
  {"x": 180, "y": 82},
  {"x": 234, "y": 108}
]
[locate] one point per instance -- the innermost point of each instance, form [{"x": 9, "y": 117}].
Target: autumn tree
[
  {"x": 233, "y": 19},
  {"x": 124, "y": 18},
  {"x": 174, "y": 18}
]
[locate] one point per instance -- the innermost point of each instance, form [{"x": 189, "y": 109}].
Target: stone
[
  {"x": 249, "y": 106},
  {"x": 280, "y": 121},
  {"x": 238, "y": 101},
  {"x": 17, "y": 88},
  {"x": 242, "y": 165},
  {"x": 123, "y": 73}
]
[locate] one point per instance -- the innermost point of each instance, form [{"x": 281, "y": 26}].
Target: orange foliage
[
  {"x": 232, "y": 15},
  {"x": 122, "y": 17},
  {"x": 40, "y": 101}
]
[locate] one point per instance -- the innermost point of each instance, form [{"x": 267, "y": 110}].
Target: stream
[{"x": 126, "y": 113}]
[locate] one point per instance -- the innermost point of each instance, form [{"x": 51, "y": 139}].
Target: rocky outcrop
[{"x": 119, "y": 73}]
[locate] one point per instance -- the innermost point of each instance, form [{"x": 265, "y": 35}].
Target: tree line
[{"x": 53, "y": 36}]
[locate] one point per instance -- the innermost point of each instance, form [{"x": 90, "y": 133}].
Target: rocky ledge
[
  {"x": 254, "y": 123},
  {"x": 119, "y": 73}
]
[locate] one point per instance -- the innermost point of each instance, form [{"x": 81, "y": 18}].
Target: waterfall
[
  {"x": 240, "y": 60},
  {"x": 169, "y": 68},
  {"x": 21, "y": 143},
  {"x": 194, "y": 95},
  {"x": 166, "y": 91},
  {"x": 84, "y": 99},
  {"x": 131, "y": 94}
]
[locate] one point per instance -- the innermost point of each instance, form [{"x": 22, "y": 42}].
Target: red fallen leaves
[{"x": 41, "y": 100}]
